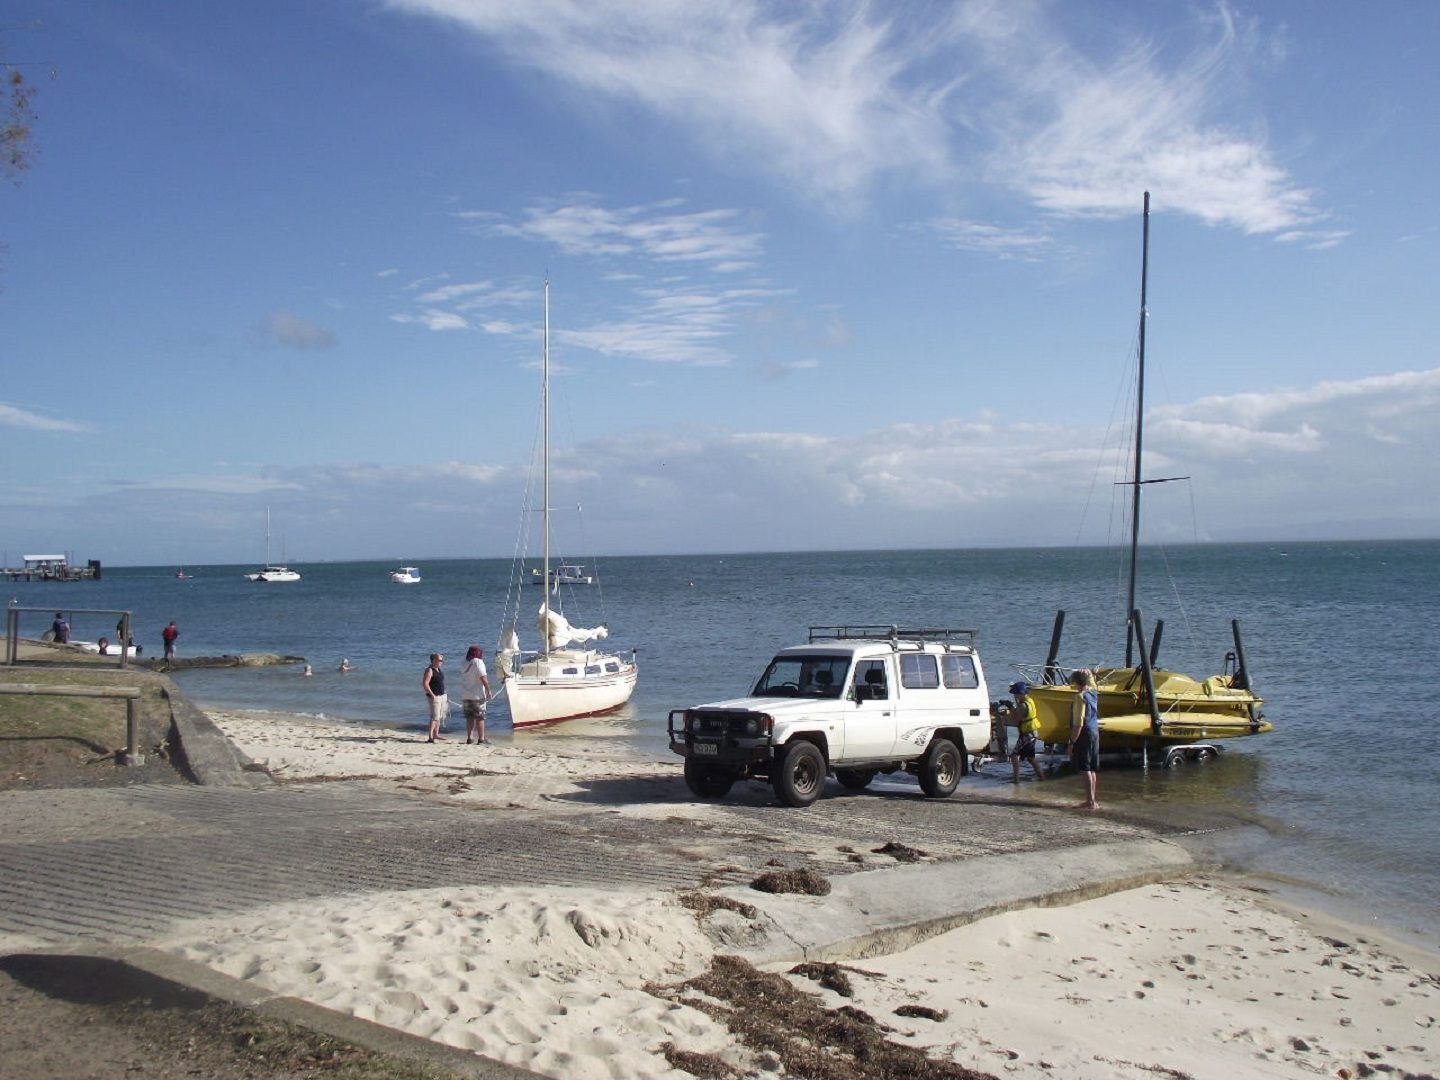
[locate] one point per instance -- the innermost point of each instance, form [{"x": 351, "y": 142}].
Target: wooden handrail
[{"x": 131, "y": 695}]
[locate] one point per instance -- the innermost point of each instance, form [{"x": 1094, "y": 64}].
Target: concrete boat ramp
[{"x": 100, "y": 873}]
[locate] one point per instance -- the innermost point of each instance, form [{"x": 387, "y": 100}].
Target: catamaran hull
[
  {"x": 1205, "y": 715},
  {"x": 535, "y": 700}
]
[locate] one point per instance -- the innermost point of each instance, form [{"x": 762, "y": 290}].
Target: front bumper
[{"x": 715, "y": 738}]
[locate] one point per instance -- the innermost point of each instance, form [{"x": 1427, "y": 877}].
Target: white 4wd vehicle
[{"x": 855, "y": 701}]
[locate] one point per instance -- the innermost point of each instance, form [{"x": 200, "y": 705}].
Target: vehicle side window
[
  {"x": 959, "y": 672},
  {"x": 870, "y": 681},
  {"x": 918, "y": 671}
]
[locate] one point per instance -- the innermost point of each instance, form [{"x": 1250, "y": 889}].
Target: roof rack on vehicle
[{"x": 894, "y": 634}]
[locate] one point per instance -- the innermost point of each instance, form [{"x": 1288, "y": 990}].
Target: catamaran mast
[
  {"x": 1139, "y": 439},
  {"x": 545, "y": 469}
]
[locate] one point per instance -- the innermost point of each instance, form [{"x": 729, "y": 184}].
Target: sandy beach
[{"x": 1205, "y": 977}]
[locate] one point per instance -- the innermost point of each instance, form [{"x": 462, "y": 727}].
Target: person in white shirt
[{"x": 475, "y": 687}]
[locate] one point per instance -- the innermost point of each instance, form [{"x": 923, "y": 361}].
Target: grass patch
[{"x": 73, "y": 741}]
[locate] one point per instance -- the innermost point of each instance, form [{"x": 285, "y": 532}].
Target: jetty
[{"x": 52, "y": 568}]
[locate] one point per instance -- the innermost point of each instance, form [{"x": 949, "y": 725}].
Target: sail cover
[{"x": 557, "y": 632}]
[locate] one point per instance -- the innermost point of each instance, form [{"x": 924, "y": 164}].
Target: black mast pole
[{"x": 1139, "y": 431}]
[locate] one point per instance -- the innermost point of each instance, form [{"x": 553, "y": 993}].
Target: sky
[{"x": 823, "y": 275}]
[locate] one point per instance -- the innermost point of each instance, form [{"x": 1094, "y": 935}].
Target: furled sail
[
  {"x": 509, "y": 652},
  {"x": 557, "y": 632}
]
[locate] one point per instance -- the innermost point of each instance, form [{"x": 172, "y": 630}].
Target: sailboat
[
  {"x": 1141, "y": 704},
  {"x": 271, "y": 572},
  {"x": 565, "y": 679}
]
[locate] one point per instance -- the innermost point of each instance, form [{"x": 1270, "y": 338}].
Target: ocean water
[{"x": 1340, "y": 639}]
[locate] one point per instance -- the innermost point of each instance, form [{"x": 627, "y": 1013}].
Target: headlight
[
  {"x": 759, "y": 725},
  {"x": 689, "y": 720}
]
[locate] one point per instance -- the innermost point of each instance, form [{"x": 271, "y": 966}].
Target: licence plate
[{"x": 706, "y": 748}]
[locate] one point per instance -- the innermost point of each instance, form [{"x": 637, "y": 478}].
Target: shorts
[
  {"x": 1025, "y": 747},
  {"x": 474, "y": 709},
  {"x": 1085, "y": 754},
  {"x": 439, "y": 708}
]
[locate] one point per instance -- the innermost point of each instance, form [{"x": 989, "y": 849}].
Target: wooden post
[{"x": 132, "y": 755}]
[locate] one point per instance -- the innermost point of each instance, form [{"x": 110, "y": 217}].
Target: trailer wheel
[
  {"x": 799, "y": 775},
  {"x": 940, "y": 770}
]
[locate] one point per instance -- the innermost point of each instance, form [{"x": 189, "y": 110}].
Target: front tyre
[
  {"x": 940, "y": 771},
  {"x": 705, "y": 782},
  {"x": 799, "y": 774}
]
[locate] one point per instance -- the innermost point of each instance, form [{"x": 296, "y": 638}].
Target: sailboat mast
[
  {"x": 545, "y": 467},
  {"x": 1139, "y": 436},
  {"x": 267, "y": 536}
]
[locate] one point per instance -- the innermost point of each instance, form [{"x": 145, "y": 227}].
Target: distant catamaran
[{"x": 271, "y": 572}]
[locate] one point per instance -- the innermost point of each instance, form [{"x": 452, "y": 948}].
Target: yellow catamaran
[{"x": 1142, "y": 706}]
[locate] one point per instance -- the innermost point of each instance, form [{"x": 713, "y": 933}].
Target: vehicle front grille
[{"x": 721, "y": 721}]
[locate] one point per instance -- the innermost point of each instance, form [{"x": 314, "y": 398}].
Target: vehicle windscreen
[{"x": 804, "y": 676}]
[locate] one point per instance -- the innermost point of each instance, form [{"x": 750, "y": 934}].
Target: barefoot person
[
  {"x": 1085, "y": 734},
  {"x": 1027, "y": 723},
  {"x": 433, "y": 682},
  {"x": 475, "y": 694}
]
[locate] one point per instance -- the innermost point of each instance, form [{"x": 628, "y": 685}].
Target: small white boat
[
  {"x": 564, "y": 574},
  {"x": 405, "y": 575},
  {"x": 110, "y": 650}
]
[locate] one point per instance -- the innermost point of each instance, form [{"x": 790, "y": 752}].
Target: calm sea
[{"x": 1340, "y": 638}]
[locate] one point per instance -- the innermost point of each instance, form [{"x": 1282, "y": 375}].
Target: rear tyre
[
  {"x": 940, "y": 771},
  {"x": 855, "y": 779},
  {"x": 705, "y": 782},
  {"x": 799, "y": 774}
]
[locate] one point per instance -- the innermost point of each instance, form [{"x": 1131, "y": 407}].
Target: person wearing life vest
[{"x": 1027, "y": 723}]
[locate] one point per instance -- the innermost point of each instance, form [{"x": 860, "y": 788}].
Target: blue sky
[{"x": 824, "y": 275}]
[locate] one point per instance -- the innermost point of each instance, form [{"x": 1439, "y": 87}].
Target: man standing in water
[
  {"x": 1085, "y": 734},
  {"x": 433, "y": 682},
  {"x": 168, "y": 635},
  {"x": 60, "y": 629}
]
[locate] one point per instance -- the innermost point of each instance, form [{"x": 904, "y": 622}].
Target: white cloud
[
  {"x": 833, "y": 94},
  {"x": 1024, "y": 244},
  {"x": 1386, "y": 396},
  {"x": 682, "y": 323},
  {"x": 446, "y": 293},
  {"x": 821, "y": 94},
  {"x": 433, "y": 319},
  {"x": 298, "y": 332},
  {"x": 659, "y": 233},
  {"x": 1330, "y": 459},
  {"x": 16, "y": 417}
]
